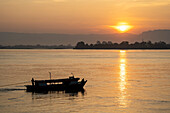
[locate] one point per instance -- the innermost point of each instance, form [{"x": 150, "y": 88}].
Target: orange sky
[{"x": 82, "y": 16}]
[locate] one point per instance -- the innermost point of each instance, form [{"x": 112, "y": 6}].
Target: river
[{"x": 119, "y": 81}]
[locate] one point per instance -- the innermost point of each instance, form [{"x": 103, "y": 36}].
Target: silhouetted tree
[
  {"x": 124, "y": 44},
  {"x": 98, "y": 42},
  {"x": 109, "y": 42},
  {"x": 80, "y": 44},
  {"x": 104, "y": 43}
]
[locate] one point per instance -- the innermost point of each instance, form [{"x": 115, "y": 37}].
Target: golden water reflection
[{"x": 122, "y": 77}]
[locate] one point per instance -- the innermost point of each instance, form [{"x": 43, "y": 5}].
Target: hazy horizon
[{"x": 14, "y": 38}]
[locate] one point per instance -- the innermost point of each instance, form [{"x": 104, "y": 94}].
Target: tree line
[{"x": 123, "y": 45}]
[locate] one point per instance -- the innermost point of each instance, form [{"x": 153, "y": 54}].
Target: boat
[{"x": 66, "y": 84}]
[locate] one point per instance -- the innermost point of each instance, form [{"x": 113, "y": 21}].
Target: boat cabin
[{"x": 67, "y": 81}]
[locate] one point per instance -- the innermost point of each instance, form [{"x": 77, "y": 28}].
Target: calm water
[{"x": 119, "y": 81}]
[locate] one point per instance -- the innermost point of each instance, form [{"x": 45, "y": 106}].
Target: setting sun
[{"x": 122, "y": 27}]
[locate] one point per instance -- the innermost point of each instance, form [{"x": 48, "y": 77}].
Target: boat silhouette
[{"x": 66, "y": 84}]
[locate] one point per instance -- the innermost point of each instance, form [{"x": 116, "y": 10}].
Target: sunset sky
[{"x": 83, "y": 16}]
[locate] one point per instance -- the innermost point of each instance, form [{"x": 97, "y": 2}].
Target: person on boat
[{"x": 32, "y": 81}]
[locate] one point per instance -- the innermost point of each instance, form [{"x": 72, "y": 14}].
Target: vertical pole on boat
[{"x": 50, "y": 77}]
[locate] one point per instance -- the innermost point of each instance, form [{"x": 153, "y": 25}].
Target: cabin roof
[{"x": 58, "y": 80}]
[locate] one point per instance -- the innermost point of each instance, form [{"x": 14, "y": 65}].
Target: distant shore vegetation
[
  {"x": 38, "y": 46},
  {"x": 123, "y": 45}
]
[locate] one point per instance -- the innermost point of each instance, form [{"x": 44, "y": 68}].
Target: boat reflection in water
[
  {"x": 122, "y": 77},
  {"x": 74, "y": 92},
  {"x": 57, "y": 94}
]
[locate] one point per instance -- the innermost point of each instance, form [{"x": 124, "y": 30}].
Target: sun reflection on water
[{"x": 122, "y": 77}]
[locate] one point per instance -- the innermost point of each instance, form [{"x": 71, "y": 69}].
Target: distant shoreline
[
  {"x": 37, "y": 47},
  {"x": 148, "y": 45}
]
